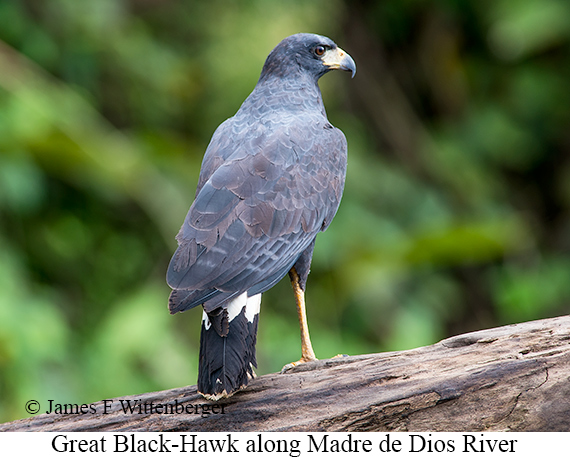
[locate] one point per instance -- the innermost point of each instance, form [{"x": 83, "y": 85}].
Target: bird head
[{"x": 307, "y": 52}]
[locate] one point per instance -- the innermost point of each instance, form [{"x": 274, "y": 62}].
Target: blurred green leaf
[{"x": 531, "y": 26}]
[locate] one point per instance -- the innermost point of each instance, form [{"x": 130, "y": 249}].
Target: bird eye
[{"x": 320, "y": 50}]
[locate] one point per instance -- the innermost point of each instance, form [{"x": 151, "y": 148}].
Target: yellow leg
[{"x": 307, "y": 353}]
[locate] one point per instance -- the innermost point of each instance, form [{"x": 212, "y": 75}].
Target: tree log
[{"x": 513, "y": 378}]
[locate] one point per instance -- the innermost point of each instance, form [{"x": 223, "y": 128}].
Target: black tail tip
[{"x": 224, "y": 393}]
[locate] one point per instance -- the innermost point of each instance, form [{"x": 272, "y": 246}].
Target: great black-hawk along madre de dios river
[{"x": 271, "y": 179}]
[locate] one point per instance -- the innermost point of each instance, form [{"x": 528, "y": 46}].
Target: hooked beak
[{"x": 337, "y": 59}]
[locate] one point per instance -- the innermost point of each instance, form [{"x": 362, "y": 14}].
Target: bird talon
[
  {"x": 302, "y": 360},
  {"x": 287, "y": 367}
]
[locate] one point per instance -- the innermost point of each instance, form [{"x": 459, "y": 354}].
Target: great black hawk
[{"x": 271, "y": 179}]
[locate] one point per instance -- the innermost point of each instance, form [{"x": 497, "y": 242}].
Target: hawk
[{"x": 271, "y": 179}]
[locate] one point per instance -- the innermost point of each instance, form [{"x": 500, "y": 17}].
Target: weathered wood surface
[{"x": 509, "y": 378}]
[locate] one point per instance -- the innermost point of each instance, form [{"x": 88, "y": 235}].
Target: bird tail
[{"x": 227, "y": 347}]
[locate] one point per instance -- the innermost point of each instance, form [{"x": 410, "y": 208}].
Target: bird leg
[{"x": 307, "y": 353}]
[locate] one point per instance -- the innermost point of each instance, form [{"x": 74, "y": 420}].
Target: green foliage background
[{"x": 456, "y": 213}]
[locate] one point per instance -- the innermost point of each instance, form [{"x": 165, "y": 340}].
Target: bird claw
[
  {"x": 291, "y": 365},
  {"x": 287, "y": 367}
]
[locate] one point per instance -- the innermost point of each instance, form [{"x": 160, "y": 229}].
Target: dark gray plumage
[{"x": 271, "y": 180}]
